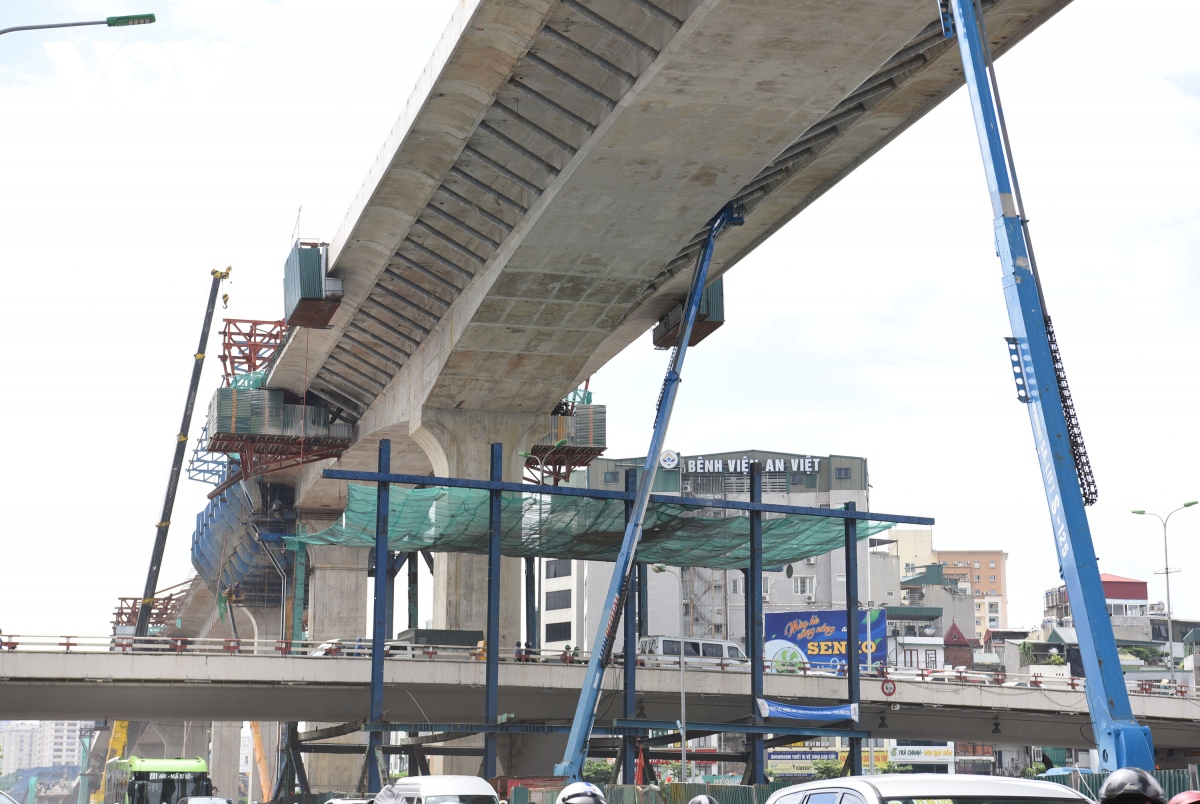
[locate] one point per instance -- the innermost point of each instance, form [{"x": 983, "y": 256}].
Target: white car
[
  {"x": 926, "y": 788},
  {"x": 438, "y": 790}
]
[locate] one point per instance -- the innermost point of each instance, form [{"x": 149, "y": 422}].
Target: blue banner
[
  {"x": 794, "y": 640},
  {"x": 792, "y": 712}
]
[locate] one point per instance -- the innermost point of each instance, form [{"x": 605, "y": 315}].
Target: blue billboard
[{"x": 817, "y": 639}]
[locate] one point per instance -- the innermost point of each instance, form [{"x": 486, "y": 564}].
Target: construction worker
[
  {"x": 565, "y": 658},
  {"x": 581, "y": 793},
  {"x": 529, "y": 652},
  {"x": 518, "y": 654},
  {"x": 575, "y": 656},
  {"x": 1131, "y": 786}
]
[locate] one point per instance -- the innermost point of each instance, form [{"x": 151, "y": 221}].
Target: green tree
[
  {"x": 1056, "y": 660},
  {"x": 892, "y": 767},
  {"x": 597, "y": 772},
  {"x": 827, "y": 769}
]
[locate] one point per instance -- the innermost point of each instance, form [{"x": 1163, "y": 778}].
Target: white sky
[{"x": 136, "y": 160}]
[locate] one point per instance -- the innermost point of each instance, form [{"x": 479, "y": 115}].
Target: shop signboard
[
  {"x": 794, "y": 639},
  {"x": 799, "y": 761},
  {"x": 922, "y": 754}
]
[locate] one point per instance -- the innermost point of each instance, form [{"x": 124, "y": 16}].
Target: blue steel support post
[
  {"x": 853, "y": 683},
  {"x": 491, "y": 697},
  {"x": 585, "y": 711},
  {"x": 1120, "y": 741},
  {"x": 754, "y": 636},
  {"x": 629, "y": 664},
  {"x": 379, "y": 631}
]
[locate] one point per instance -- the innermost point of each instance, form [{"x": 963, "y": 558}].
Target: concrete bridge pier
[
  {"x": 226, "y": 756},
  {"x": 457, "y": 443},
  {"x": 337, "y": 610}
]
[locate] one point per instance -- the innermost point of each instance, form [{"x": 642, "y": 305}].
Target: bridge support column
[
  {"x": 226, "y": 757},
  {"x": 457, "y": 445},
  {"x": 337, "y": 609}
]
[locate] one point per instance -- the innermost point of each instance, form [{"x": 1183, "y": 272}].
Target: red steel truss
[
  {"x": 258, "y": 455},
  {"x": 248, "y": 346},
  {"x": 558, "y": 462}
]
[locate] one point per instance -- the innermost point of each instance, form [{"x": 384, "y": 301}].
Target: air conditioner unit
[
  {"x": 810, "y": 561},
  {"x": 810, "y": 598}
]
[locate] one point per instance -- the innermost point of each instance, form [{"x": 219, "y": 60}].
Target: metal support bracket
[{"x": 1018, "y": 367}]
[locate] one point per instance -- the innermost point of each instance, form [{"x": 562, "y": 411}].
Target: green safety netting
[{"x": 455, "y": 520}]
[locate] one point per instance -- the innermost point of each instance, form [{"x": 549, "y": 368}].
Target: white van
[
  {"x": 663, "y": 651},
  {"x": 438, "y": 790}
]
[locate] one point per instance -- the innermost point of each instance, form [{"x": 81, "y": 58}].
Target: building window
[
  {"x": 994, "y": 622},
  {"x": 978, "y": 607},
  {"x": 558, "y": 632},
  {"x": 890, "y": 593},
  {"x": 978, "y": 621},
  {"x": 991, "y": 565},
  {"x": 841, "y": 474},
  {"x": 977, "y": 579},
  {"x": 992, "y": 578},
  {"x": 735, "y": 586},
  {"x": 804, "y": 585},
  {"x": 810, "y": 481},
  {"x": 612, "y": 477},
  {"x": 558, "y": 568},
  {"x": 978, "y": 593},
  {"x": 993, "y": 608},
  {"x": 976, "y": 565},
  {"x": 931, "y": 658},
  {"x": 558, "y": 600}
]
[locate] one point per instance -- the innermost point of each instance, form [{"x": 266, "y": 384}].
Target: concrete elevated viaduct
[
  {"x": 538, "y": 203},
  {"x": 274, "y": 688}
]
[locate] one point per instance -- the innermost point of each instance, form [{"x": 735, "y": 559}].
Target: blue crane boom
[
  {"x": 1041, "y": 385},
  {"x": 585, "y": 711}
]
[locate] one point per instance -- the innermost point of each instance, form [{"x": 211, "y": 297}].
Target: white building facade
[{"x": 572, "y": 597}]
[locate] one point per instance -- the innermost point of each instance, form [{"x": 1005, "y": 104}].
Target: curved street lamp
[
  {"x": 111, "y": 22},
  {"x": 1167, "y": 572}
]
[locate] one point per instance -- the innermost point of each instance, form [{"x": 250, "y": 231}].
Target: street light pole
[
  {"x": 1167, "y": 572},
  {"x": 111, "y": 22},
  {"x": 683, "y": 769}
]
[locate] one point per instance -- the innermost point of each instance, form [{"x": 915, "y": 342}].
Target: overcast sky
[{"x": 136, "y": 160}]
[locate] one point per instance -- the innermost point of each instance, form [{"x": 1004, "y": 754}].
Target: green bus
[{"x": 135, "y": 780}]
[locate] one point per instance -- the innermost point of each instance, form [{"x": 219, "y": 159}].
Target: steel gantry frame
[
  {"x": 375, "y": 723},
  {"x": 1042, "y": 387}
]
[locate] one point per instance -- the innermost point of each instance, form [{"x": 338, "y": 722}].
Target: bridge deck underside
[{"x": 551, "y": 228}]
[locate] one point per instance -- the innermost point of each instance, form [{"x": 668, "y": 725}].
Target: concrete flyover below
[{"x": 323, "y": 689}]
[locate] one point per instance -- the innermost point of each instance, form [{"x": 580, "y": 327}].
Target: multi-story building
[
  {"x": 16, "y": 743},
  {"x": 40, "y": 744},
  {"x": 57, "y": 743},
  {"x": 714, "y": 605},
  {"x": 981, "y": 573}
]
